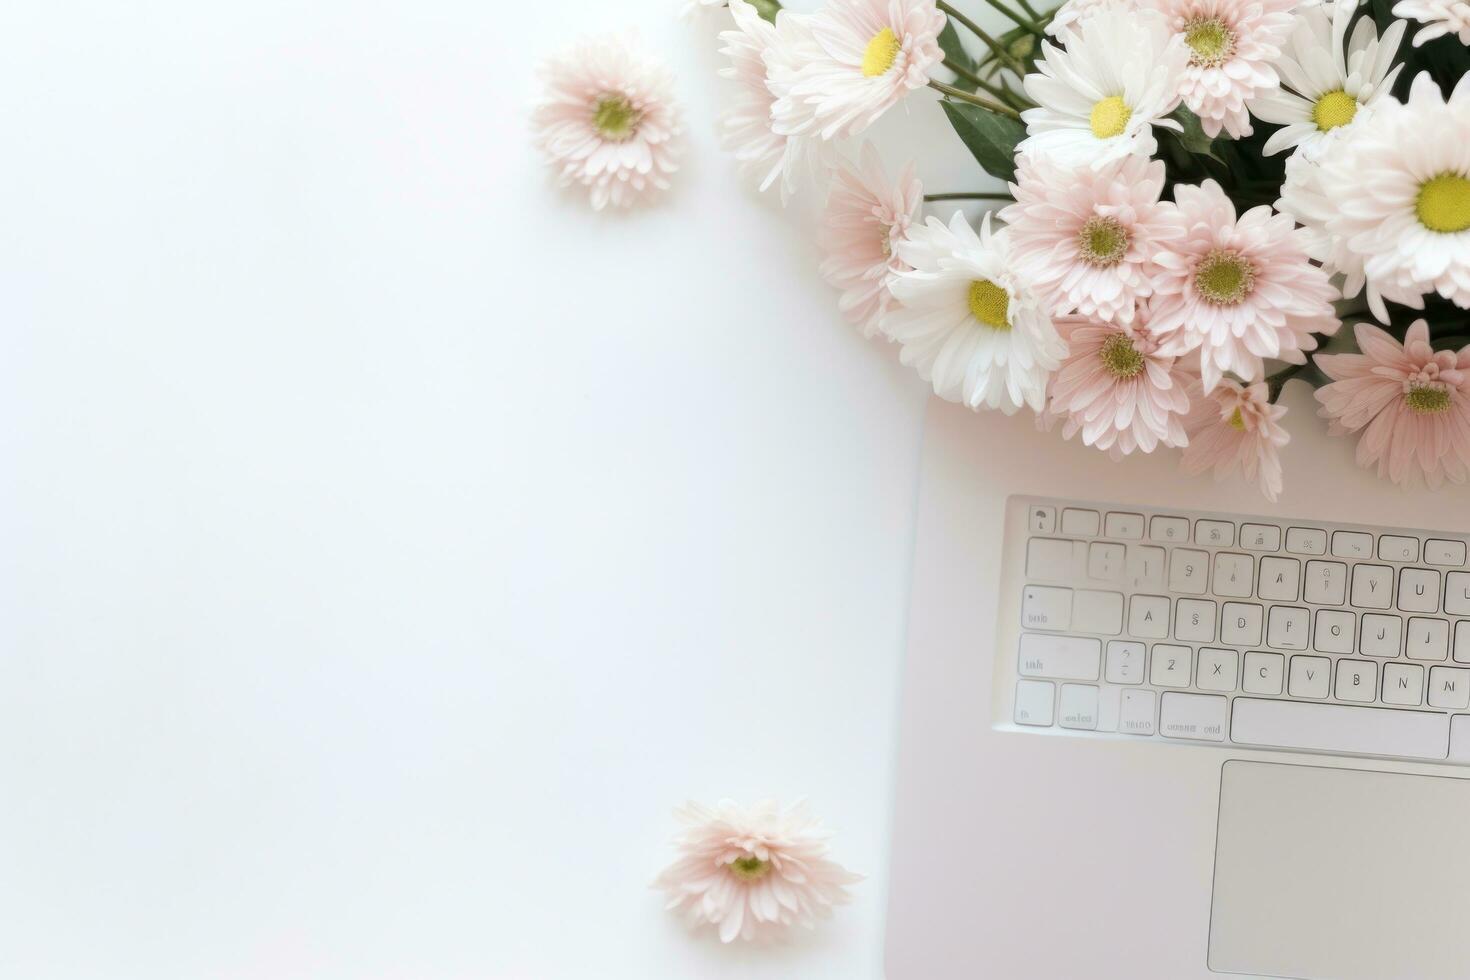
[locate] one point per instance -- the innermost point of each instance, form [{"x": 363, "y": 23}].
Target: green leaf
[
  {"x": 1193, "y": 138},
  {"x": 954, "y": 52},
  {"x": 991, "y": 137},
  {"x": 767, "y": 8}
]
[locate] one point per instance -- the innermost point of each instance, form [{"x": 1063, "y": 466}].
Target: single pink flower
[
  {"x": 1410, "y": 402},
  {"x": 753, "y": 872},
  {"x": 1238, "y": 291},
  {"x": 1236, "y": 428},
  {"x": 867, "y": 216}
]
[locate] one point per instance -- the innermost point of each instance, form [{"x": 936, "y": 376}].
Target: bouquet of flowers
[{"x": 1198, "y": 195}]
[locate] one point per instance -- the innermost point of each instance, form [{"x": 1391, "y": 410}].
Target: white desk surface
[{"x": 389, "y": 541}]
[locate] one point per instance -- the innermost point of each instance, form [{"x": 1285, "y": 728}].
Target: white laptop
[{"x": 1156, "y": 727}]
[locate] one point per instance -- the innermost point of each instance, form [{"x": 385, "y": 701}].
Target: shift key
[{"x": 1068, "y": 658}]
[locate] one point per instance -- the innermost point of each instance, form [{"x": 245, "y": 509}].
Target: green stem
[
  {"x": 970, "y": 196},
  {"x": 1035, "y": 16},
  {"x": 1001, "y": 52},
  {"x": 1004, "y": 94},
  {"x": 963, "y": 96}
]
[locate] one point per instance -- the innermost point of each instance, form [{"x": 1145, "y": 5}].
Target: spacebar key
[{"x": 1340, "y": 728}]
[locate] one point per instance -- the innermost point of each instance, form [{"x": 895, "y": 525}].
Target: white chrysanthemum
[
  {"x": 1400, "y": 183},
  {"x": 1232, "y": 46},
  {"x": 608, "y": 121},
  {"x": 1076, "y": 11},
  {"x": 864, "y": 56},
  {"x": 1323, "y": 89},
  {"x": 753, "y": 47},
  {"x": 1099, "y": 99},
  {"x": 1440, "y": 17},
  {"x": 968, "y": 322}
]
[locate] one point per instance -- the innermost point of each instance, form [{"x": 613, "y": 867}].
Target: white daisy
[
  {"x": 1099, "y": 99},
  {"x": 1076, "y": 11},
  {"x": 1323, "y": 89},
  {"x": 753, "y": 47},
  {"x": 1400, "y": 181},
  {"x": 968, "y": 322},
  {"x": 1440, "y": 17}
]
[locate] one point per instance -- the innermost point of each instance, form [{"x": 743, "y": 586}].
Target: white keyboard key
[
  {"x": 1357, "y": 680},
  {"x": 1263, "y": 673},
  {"x": 1217, "y": 669},
  {"x": 1078, "y": 707},
  {"x": 1438, "y": 551},
  {"x": 1127, "y": 527},
  {"x": 1334, "y": 631},
  {"x": 1403, "y": 684},
  {"x": 1097, "y": 612},
  {"x": 1169, "y": 529},
  {"x": 1372, "y": 586},
  {"x": 1136, "y": 713},
  {"x": 1125, "y": 662},
  {"x": 1419, "y": 590},
  {"x": 1240, "y": 624},
  {"x": 1068, "y": 658},
  {"x": 1081, "y": 522},
  {"x": 1146, "y": 565},
  {"x": 1188, "y": 571},
  {"x": 1352, "y": 544},
  {"x": 1148, "y": 617},
  {"x": 1462, "y": 642},
  {"x": 1428, "y": 639},
  {"x": 1341, "y": 728},
  {"x": 1287, "y": 628},
  {"x": 1234, "y": 575},
  {"x": 1460, "y": 738},
  {"x": 1044, "y": 608},
  {"x": 1105, "y": 561},
  {"x": 1172, "y": 665},
  {"x": 1326, "y": 583},
  {"x": 1204, "y": 717},
  {"x": 1393, "y": 547},
  {"x": 1280, "y": 579},
  {"x": 1457, "y": 593},
  {"x": 1041, "y": 519},
  {"x": 1260, "y": 537},
  {"x": 1215, "y": 534},
  {"x": 1310, "y": 677},
  {"x": 1034, "y": 703},
  {"x": 1050, "y": 560},
  {"x": 1107, "y": 708},
  {"x": 1382, "y": 635},
  {"x": 1194, "y": 620},
  {"x": 1306, "y": 541},
  {"x": 1449, "y": 687}
]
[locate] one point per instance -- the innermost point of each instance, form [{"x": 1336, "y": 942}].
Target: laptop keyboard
[{"x": 1211, "y": 629}]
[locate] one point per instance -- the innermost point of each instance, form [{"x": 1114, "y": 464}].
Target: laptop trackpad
[{"x": 1340, "y": 874}]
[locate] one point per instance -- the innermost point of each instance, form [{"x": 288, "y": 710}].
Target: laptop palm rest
[{"x": 1340, "y": 873}]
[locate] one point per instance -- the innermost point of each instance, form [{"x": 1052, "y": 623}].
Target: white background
[{"x": 388, "y": 542}]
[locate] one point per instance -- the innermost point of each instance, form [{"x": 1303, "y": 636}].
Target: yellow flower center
[
  {"x": 881, "y": 52},
  {"x": 1236, "y": 420},
  {"x": 1102, "y": 241},
  {"x": 1333, "y": 110},
  {"x": 1211, "y": 43},
  {"x": 1110, "y": 117},
  {"x": 990, "y": 304},
  {"x": 1120, "y": 358},
  {"x": 750, "y": 868},
  {"x": 1224, "y": 278},
  {"x": 615, "y": 117},
  {"x": 1424, "y": 399},
  {"x": 1444, "y": 203}
]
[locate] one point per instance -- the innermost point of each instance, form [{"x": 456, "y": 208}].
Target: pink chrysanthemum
[
  {"x": 1410, "y": 401},
  {"x": 608, "y": 121},
  {"x": 753, "y": 872},
  {"x": 1232, "y": 46},
  {"x": 1088, "y": 237},
  {"x": 1439, "y": 17},
  {"x": 1117, "y": 389},
  {"x": 1238, "y": 291},
  {"x": 1236, "y": 428},
  {"x": 1076, "y": 11},
  {"x": 865, "y": 56},
  {"x": 867, "y": 216}
]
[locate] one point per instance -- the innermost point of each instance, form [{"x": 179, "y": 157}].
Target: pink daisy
[
  {"x": 1233, "y": 44},
  {"x": 1117, "y": 389},
  {"x": 1410, "y": 401},
  {"x": 1235, "y": 427},
  {"x": 608, "y": 122},
  {"x": 867, "y": 215},
  {"x": 1238, "y": 291},
  {"x": 1088, "y": 236},
  {"x": 753, "y": 872}
]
